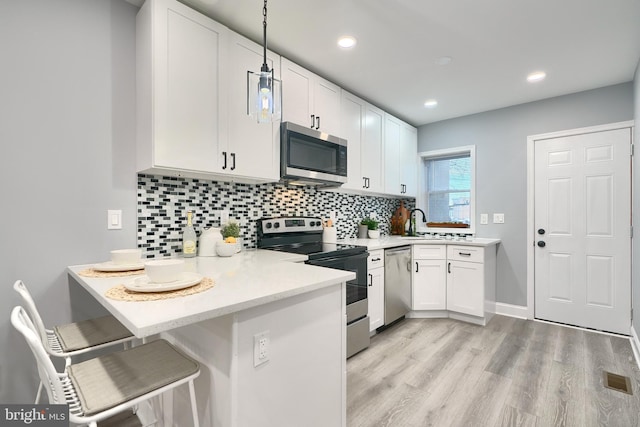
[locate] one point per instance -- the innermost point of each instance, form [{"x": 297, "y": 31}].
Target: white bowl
[
  {"x": 126, "y": 256},
  {"x": 164, "y": 270},
  {"x": 226, "y": 249}
]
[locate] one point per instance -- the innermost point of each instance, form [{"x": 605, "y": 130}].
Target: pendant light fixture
[{"x": 264, "y": 91}]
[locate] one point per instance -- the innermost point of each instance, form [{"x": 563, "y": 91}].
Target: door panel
[{"x": 583, "y": 202}]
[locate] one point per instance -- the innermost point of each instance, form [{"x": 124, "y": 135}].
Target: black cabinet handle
[
  {"x": 375, "y": 259},
  {"x": 224, "y": 153},
  {"x": 449, "y": 268},
  {"x": 464, "y": 254},
  {"x": 370, "y": 279},
  {"x": 416, "y": 267},
  {"x": 364, "y": 182},
  {"x": 233, "y": 161},
  {"x": 368, "y": 182},
  {"x": 313, "y": 120},
  {"x": 318, "y": 125}
]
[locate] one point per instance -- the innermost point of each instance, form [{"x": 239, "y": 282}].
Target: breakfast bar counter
[{"x": 297, "y": 310}]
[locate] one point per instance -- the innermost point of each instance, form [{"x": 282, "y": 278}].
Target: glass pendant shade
[{"x": 264, "y": 94}]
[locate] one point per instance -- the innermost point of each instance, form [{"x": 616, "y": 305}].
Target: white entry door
[{"x": 583, "y": 230}]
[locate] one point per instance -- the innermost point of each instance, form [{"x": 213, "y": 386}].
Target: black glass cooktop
[{"x": 316, "y": 250}]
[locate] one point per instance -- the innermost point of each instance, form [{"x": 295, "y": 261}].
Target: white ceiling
[{"x": 580, "y": 44}]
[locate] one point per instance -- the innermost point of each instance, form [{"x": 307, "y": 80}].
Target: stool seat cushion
[
  {"x": 109, "y": 380},
  {"x": 89, "y": 333}
]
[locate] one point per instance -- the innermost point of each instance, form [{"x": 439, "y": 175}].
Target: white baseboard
[
  {"x": 510, "y": 310},
  {"x": 635, "y": 345}
]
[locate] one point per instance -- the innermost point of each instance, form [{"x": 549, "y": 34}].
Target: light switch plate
[
  {"x": 224, "y": 217},
  {"x": 114, "y": 219},
  {"x": 484, "y": 219},
  {"x": 498, "y": 218}
]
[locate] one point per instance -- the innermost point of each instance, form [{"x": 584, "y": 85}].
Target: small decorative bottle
[{"x": 189, "y": 238}]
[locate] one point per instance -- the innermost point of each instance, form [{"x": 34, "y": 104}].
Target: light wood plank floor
[{"x": 512, "y": 372}]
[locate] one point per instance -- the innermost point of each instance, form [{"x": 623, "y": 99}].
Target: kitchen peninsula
[{"x": 301, "y": 310}]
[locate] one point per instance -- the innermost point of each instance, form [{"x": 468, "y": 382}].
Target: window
[{"x": 447, "y": 189}]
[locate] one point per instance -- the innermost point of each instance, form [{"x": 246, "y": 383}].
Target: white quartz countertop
[
  {"x": 394, "y": 241},
  {"x": 245, "y": 280}
]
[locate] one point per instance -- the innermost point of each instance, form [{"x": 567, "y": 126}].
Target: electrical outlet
[
  {"x": 498, "y": 218},
  {"x": 224, "y": 217},
  {"x": 261, "y": 343},
  {"x": 484, "y": 219}
]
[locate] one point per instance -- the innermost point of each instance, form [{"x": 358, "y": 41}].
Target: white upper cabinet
[
  {"x": 409, "y": 160},
  {"x": 401, "y": 157},
  {"x": 352, "y": 114},
  {"x": 252, "y": 148},
  {"x": 309, "y": 100},
  {"x": 180, "y": 116},
  {"x": 371, "y": 166},
  {"x": 362, "y": 126}
]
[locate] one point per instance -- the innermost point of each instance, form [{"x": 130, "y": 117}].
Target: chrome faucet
[{"x": 412, "y": 232}]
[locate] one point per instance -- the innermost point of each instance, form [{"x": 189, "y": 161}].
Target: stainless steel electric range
[{"x": 303, "y": 235}]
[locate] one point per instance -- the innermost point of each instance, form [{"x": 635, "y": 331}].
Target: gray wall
[
  {"x": 636, "y": 203},
  {"x": 500, "y": 138},
  {"x": 67, "y": 132}
]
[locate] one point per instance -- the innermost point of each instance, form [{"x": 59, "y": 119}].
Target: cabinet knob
[
  {"x": 541, "y": 231},
  {"x": 542, "y": 244}
]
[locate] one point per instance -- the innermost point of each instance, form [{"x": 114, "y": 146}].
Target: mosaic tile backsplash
[{"x": 163, "y": 202}]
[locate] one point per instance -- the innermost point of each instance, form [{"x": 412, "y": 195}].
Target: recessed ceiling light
[
  {"x": 431, "y": 103},
  {"x": 536, "y": 76},
  {"x": 443, "y": 60},
  {"x": 347, "y": 42}
]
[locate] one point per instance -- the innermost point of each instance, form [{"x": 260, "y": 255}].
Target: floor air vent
[{"x": 617, "y": 382}]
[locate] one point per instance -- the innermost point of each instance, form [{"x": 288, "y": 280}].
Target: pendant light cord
[{"x": 265, "y": 67}]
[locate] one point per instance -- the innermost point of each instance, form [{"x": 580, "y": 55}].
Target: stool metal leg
[{"x": 194, "y": 408}]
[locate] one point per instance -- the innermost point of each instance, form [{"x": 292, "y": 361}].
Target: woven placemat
[
  {"x": 90, "y": 272},
  {"x": 121, "y": 293}
]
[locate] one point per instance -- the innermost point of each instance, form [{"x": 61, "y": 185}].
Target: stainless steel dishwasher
[{"x": 397, "y": 283}]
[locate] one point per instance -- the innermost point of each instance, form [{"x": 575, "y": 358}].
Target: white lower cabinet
[
  {"x": 457, "y": 278},
  {"x": 375, "y": 290},
  {"x": 429, "y": 277}
]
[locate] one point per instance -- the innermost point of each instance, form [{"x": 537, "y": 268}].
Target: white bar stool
[
  {"x": 99, "y": 388},
  {"x": 72, "y": 339}
]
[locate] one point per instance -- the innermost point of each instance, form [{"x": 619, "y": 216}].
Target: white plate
[
  {"x": 142, "y": 284},
  {"x": 111, "y": 266}
]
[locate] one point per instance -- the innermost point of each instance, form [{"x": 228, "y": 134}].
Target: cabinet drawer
[
  {"x": 465, "y": 253},
  {"x": 429, "y": 252},
  {"x": 376, "y": 259}
]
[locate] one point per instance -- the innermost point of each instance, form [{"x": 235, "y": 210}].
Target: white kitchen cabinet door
[
  {"x": 375, "y": 295},
  {"x": 400, "y": 157},
  {"x": 409, "y": 160},
  {"x": 466, "y": 287},
  {"x": 297, "y": 90},
  {"x": 309, "y": 100},
  {"x": 326, "y": 106},
  {"x": 392, "y": 183},
  {"x": 180, "y": 116},
  {"x": 252, "y": 148},
  {"x": 429, "y": 280},
  {"x": 352, "y": 112},
  {"x": 371, "y": 149}
]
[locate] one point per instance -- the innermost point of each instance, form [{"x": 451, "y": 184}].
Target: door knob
[
  {"x": 541, "y": 231},
  {"x": 542, "y": 244}
]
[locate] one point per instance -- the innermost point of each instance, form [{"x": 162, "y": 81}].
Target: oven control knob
[
  {"x": 268, "y": 225},
  {"x": 318, "y": 223},
  {"x": 276, "y": 225}
]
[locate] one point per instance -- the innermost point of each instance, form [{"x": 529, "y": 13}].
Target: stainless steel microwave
[{"x": 308, "y": 156}]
